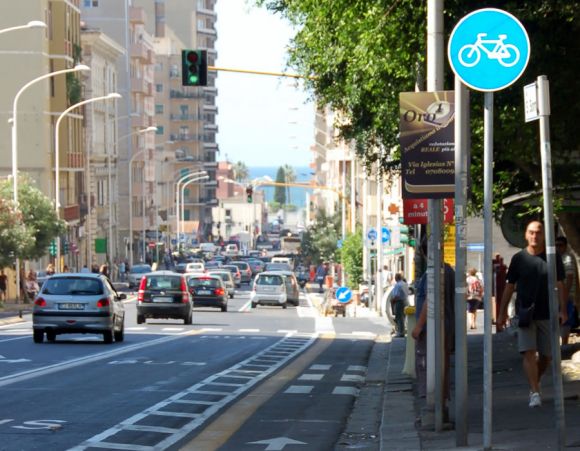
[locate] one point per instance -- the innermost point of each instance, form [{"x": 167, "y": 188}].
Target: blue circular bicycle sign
[{"x": 489, "y": 49}]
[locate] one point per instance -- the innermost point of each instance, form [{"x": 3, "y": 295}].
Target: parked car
[
  {"x": 292, "y": 288},
  {"x": 164, "y": 294},
  {"x": 208, "y": 291},
  {"x": 195, "y": 267},
  {"x": 227, "y": 279},
  {"x": 245, "y": 271},
  {"x": 235, "y": 273},
  {"x": 70, "y": 303},
  {"x": 135, "y": 274},
  {"x": 269, "y": 289}
]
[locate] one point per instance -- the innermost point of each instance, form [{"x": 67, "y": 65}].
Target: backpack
[{"x": 475, "y": 289}]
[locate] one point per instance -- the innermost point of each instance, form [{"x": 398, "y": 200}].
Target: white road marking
[
  {"x": 20, "y": 324},
  {"x": 286, "y": 331},
  {"x": 363, "y": 334},
  {"x": 310, "y": 377},
  {"x": 172, "y": 329},
  {"x": 352, "y": 378},
  {"x": 353, "y": 391},
  {"x": 323, "y": 325},
  {"x": 356, "y": 368},
  {"x": 99, "y": 440},
  {"x": 320, "y": 367},
  {"x": 299, "y": 389},
  {"x": 246, "y": 307},
  {"x": 248, "y": 330},
  {"x": 211, "y": 329},
  {"x": 15, "y": 338},
  {"x": 135, "y": 328}
]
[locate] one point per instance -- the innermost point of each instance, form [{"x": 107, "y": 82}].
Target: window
[
  {"x": 160, "y": 130},
  {"x": 158, "y": 87},
  {"x": 158, "y": 109},
  {"x": 91, "y": 3}
]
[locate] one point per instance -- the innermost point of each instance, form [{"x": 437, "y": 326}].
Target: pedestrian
[
  {"x": 65, "y": 268},
  {"x": 320, "y": 276},
  {"x": 50, "y": 269},
  {"x": 528, "y": 276},
  {"x": 85, "y": 269},
  {"x": 419, "y": 333},
  {"x": 570, "y": 287},
  {"x": 474, "y": 296},
  {"x": 122, "y": 268},
  {"x": 3, "y": 285},
  {"x": 398, "y": 298},
  {"x": 95, "y": 269},
  {"x": 104, "y": 270},
  {"x": 32, "y": 287}
]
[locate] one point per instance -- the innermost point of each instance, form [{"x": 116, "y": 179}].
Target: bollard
[{"x": 409, "y": 366}]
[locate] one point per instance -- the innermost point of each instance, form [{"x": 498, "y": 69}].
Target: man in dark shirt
[{"x": 528, "y": 275}]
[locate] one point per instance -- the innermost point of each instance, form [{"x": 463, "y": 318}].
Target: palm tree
[
  {"x": 289, "y": 177},
  {"x": 241, "y": 171}
]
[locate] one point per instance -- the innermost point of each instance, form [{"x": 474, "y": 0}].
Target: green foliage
[
  {"x": 280, "y": 191},
  {"x": 289, "y": 177},
  {"x": 241, "y": 172},
  {"x": 352, "y": 259},
  {"x": 320, "y": 239},
  {"x": 26, "y": 232},
  {"x": 73, "y": 88}
]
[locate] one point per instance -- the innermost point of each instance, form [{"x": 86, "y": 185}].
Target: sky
[{"x": 262, "y": 120}]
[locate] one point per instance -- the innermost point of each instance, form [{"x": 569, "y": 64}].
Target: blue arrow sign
[
  {"x": 339, "y": 244},
  {"x": 372, "y": 234},
  {"x": 343, "y": 294},
  {"x": 385, "y": 235},
  {"x": 489, "y": 49}
]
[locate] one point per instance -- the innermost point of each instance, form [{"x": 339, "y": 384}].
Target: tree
[
  {"x": 241, "y": 172},
  {"x": 320, "y": 239},
  {"x": 35, "y": 223},
  {"x": 290, "y": 177},
  {"x": 358, "y": 56},
  {"x": 279, "y": 191},
  {"x": 352, "y": 259}
]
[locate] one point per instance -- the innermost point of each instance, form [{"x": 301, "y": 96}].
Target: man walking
[
  {"x": 528, "y": 275},
  {"x": 398, "y": 298}
]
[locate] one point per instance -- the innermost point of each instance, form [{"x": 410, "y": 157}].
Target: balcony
[
  {"x": 210, "y": 146},
  {"x": 210, "y": 108},
  {"x": 137, "y": 15},
  {"x": 184, "y": 117},
  {"x": 140, "y": 121},
  {"x": 142, "y": 86},
  {"x": 138, "y": 50},
  {"x": 174, "y": 94},
  {"x": 208, "y": 31},
  {"x": 71, "y": 213},
  {"x": 210, "y": 90},
  {"x": 210, "y": 127},
  {"x": 183, "y": 137}
]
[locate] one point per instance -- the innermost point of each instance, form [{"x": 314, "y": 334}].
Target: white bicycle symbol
[{"x": 506, "y": 54}]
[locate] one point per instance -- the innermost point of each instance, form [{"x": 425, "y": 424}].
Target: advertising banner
[
  {"x": 427, "y": 144},
  {"x": 415, "y": 211}
]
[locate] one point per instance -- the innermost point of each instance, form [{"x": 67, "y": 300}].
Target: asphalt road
[{"x": 261, "y": 379}]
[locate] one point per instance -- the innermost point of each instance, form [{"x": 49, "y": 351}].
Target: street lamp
[
  {"x": 182, "y": 179},
  {"x": 31, "y": 24},
  {"x": 110, "y": 96},
  {"x": 144, "y": 130},
  {"x": 77, "y": 68},
  {"x": 186, "y": 183}
]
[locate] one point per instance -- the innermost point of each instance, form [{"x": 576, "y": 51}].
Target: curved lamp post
[
  {"x": 140, "y": 152},
  {"x": 186, "y": 183},
  {"x": 177, "y": 204},
  {"x": 31, "y": 24},
  {"x": 111, "y": 96},
  {"x": 77, "y": 68}
]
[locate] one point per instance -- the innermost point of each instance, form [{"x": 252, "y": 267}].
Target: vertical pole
[
  {"x": 487, "y": 265},
  {"x": 343, "y": 215},
  {"x": 143, "y": 207},
  {"x": 109, "y": 187},
  {"x": 546, "y": 151},
  {"x": 379, "y": 268},
  {"x": 353, "y": 208},
  {"x": 461, "y": 127},
  {"x": 130, "y": 212},
  {"x": 435, "y": 309},
  {"x": 364, "y": 231}
]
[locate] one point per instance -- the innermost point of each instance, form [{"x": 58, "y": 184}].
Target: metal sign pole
[
  {"x": 545, "y": 151},
  {"x": 487, "y": 266},
  {"x": 461, "y": 163}
]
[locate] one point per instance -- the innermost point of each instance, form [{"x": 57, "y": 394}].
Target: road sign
[
  {"x": 385, "y": 235},
  {"x": 489, "y": 49},
  {"x": 343, "y": 294},
  {"x": 339, "y": 244},
  {"x": 372, "y": 234},
  {"x": 475, "y": 247}
]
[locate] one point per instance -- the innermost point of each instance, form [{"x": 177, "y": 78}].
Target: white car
[
  {"x": 194, "y": 267},
  {"x": 269, "y": 289},
  {"x": 227, "y": 279}
]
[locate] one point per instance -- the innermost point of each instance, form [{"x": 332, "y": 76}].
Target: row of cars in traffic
[{"x": 89, "y": 303}]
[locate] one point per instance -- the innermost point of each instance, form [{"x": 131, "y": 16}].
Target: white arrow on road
[
  {"x": 5, "y": 360},
  {"x": 277, "y": 444}
]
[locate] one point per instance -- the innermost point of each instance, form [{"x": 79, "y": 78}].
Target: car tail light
[
  {"x": 40, "y": 302},
  {"x": 184, "y": 292},
  {"x": 141, "y": 292},
  {"x": 103, "y": 303},
  {"x": 219, "y": 291}
]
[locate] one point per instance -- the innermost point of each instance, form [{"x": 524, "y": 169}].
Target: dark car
[
  {"x": 164, "y": 294},
  {"x": 257, "y": 266},
  {"x": 180, "y": 268},
  {"x": 245, "y": 271},
  {"x": 235, "y": 273},
  {"x": 71, "y": 303},
  {"x": 213, "y": 264},
  {"x": 208, "y": 291}
]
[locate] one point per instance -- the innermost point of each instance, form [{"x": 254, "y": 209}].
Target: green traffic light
[{"x": 193, "y": 78}]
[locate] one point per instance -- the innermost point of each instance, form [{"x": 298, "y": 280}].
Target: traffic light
[
  {"x": 250, "y": 194},
  {"x": 65, "y": 247},
  {"x": 194, "y": 67},
  {"x": 404, "y": 231},
  {"x": 412, "y": 238},
  {"x": 52, "y": 247}
]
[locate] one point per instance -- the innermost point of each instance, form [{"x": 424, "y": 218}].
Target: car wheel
[
  {"x": 38, "y": 335},
  {"x": 50, "y": 336},
  {"x": 140, "y": 319},
  {"x": 108, "y": 336},
  {"x": 285, "y": 305},
  {"x": 120, "y": 334},
  {"x": 188, "y": 320}
]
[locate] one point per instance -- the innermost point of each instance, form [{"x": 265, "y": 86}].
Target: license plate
[
  {"x": 162, "y": 299},
  {"x": 71, "y": 306},
  {"x": 203, "y": 292}
]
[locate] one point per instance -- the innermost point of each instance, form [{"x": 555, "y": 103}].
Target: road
[{"x": 262, "y": 379}]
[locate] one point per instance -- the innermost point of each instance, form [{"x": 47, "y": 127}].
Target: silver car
[
  {"x": 227, "y": 279},
  {"x": 136, "y": 273},
  {"x": 269, "y": 289},
  {"x": 75, "y": 303}
]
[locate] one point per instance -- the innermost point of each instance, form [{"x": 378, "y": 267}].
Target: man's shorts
[{"x": 535, "y": 337}]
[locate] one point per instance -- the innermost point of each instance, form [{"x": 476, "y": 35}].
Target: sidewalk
[
  {"x": 385, "y": 413},
  {"x": 11, "y": 313}
]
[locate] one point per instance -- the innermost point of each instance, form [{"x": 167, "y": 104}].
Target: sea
[{"x": 297, "y": 195}]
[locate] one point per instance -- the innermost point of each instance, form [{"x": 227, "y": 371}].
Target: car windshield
[
  {"x": 72, "y": 286},
  {"x": 278, "y": 267},
  {"x": 141, "y": 269},
  {"x": 209, "y": 282},
  {"x": 231, "y": 268},
  {"x": 163, "y": 283},
  {"x": 241, "y": 265},
  {"x": 222, "y": 275},
  {"x": 269, "y": 280}
]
